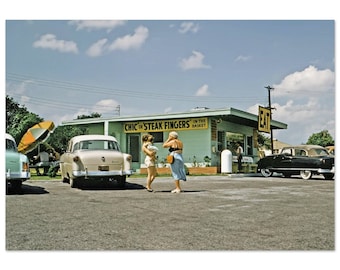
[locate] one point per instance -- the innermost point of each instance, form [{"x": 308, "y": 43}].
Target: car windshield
[
  {"x": 10, "y": 145},
  {"x": 96, "y": 145}
]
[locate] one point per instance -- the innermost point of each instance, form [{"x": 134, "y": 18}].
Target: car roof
[
  {"x": 93, "y": 137},
  {"x": 305, "y": 146},
  {"x": 9, "y": 136}
]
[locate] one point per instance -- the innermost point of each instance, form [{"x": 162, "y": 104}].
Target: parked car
[
  {"x": 303, "y": 160},
  {"x": 94, "y": 157},
  {"x": 17, "y": 164}
]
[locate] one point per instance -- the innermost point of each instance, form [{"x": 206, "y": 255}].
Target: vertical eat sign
[{"x": 264, "y": 120}]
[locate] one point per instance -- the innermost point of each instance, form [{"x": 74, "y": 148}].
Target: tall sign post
[{"x": 265, "y": 117}]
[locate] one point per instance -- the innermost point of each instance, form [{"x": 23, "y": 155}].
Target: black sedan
[{"x": 303, "y": 160}]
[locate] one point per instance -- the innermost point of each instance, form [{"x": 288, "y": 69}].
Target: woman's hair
[
  {"x": 145, "y": 137},
  {"x": 174, "y": 134}
]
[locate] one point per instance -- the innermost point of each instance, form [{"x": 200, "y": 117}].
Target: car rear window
[
  {"x": 318, "y": 152},
  {"x": 10, "y": 145},
  {"x": 96, "y": 145}
]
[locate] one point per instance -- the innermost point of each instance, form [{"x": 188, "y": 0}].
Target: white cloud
[
  {"x": 242, "y": 58},
  {"x": 97, "y": 49},
  {"x": 195, "y": 61},
  {"x": 105, "y": 106},
  {"x": 310, "y": 81},
  {"x": 188, "y": 27},
  {"x": 134, "y": 41},
  {"x": 18, "y": 89},
  {"x": 203, "y": 91},
  {"x": 305, "y": 119},
  {"x": 90, "y": 25},
  {"x": 168, "y": 110},
  {"x": 305, "y": 100},
  {"x": 49, "y": 41}
]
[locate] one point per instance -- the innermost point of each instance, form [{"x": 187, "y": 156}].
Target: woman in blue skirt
[{"x": 177, "y": 167}]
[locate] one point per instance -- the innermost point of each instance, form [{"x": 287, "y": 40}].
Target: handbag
[{"x": 170, "y": 159}]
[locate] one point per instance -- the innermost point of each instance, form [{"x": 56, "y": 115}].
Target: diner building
[{"x": 204, "y": 132}]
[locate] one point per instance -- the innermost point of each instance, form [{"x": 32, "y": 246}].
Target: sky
[
  {"x": 60, "y": 69},
  {"x": 172, "y": 56}
]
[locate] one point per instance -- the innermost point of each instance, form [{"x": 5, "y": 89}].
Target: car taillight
[
  {"x": 76, "y": 159},
  {"x": 25, "y": 167},
  {"x": 129, "y": 158}
]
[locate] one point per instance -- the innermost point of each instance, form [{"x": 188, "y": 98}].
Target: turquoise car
[{"x": 17, "y": 164}]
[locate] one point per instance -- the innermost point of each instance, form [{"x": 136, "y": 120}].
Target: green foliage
[
  {"x": 263, "y": 141},
  {"x": 19, "y": 119},
  {"x": 92, "y": 115},
  {"x": 62, "y": 134},
  {"x": 322, "y": 138}
]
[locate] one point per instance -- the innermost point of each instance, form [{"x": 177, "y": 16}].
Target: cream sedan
[{"x": 94, "y": 158}]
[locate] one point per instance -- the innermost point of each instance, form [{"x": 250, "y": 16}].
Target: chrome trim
[
  {"x": 87, "y": 174},
  {"x": 22, "y": 175}
]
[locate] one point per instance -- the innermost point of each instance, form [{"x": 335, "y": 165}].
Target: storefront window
[
  {"x": 158, "y": 137},
  {"x": 233, "y": 139}
]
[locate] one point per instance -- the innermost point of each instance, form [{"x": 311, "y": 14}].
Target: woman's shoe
[
  {"x": 176, "y": 191},
  {"x": 149, "y": 189}
]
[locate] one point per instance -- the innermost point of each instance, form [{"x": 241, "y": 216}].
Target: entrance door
[{"x": 134, "y": 147}]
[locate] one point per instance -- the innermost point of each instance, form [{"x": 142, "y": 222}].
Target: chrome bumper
[
  {"x": 95, "y": 174},
  {"x": 326, "y": 170},
  {"x": 19, "y": 176}
]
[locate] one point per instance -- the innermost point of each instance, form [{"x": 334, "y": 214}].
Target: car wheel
[
  {"x": 305, "y": 174},
  {"x": 121, "y": 181},
  {"x": 266, "y": 172},
  {"x": 328, "y": 176},
  {"x": 16, "y": 185}
]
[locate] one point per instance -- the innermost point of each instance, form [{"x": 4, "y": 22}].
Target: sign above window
[{"x": 166, "y": 125}]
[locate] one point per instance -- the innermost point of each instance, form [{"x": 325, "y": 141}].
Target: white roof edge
[{"x": 198, "y": 113}]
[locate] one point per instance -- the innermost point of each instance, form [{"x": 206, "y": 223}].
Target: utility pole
[
  {"x": 118, "y": 110},
  {"x": 269, "y": 88}
]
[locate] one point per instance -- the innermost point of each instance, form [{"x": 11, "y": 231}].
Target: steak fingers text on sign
[{"x": 166, "y": 125}]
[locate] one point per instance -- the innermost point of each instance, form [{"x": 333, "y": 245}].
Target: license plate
[{"x": 103, "y": 168}]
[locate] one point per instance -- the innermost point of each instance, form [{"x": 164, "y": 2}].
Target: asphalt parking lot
[{"x": 213, "y": 213}]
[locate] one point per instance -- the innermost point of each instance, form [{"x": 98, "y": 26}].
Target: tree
[
  {"x": 263, "y": 141},
  {"x": 19, "y": 119},
  {"x": 322, "y": 138},
  {"x": 62, "y": 134},
  {"x": 92, "y": 115}
]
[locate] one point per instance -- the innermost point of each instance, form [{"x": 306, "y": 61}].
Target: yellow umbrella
[{"x": 35, "y": 135}]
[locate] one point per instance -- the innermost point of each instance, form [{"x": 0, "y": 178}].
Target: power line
[{"x": 119, "y": 92}]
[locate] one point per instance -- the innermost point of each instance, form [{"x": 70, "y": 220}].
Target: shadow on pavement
[
  {"x": 111, "y": 186},
  {"x": 26, "y": 189}
]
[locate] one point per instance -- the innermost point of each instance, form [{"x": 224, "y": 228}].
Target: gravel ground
[{"x": 215, "y": 213}]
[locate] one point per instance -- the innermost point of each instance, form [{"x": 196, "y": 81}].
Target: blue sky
[{"x": 60, "y": 69}]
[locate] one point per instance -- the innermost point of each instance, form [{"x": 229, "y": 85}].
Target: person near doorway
[
  {"x": 150, "y": 159},
  {"x": 239, "y": 153},
  {"x": 177, "y": 167}
]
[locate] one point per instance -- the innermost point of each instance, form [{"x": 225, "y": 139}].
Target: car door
[
  {"x": 300, "y": 159},
  {"x": 284, "y": 159}
]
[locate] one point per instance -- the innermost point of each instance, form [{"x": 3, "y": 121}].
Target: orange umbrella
[{"x": 35, "y": 135}]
